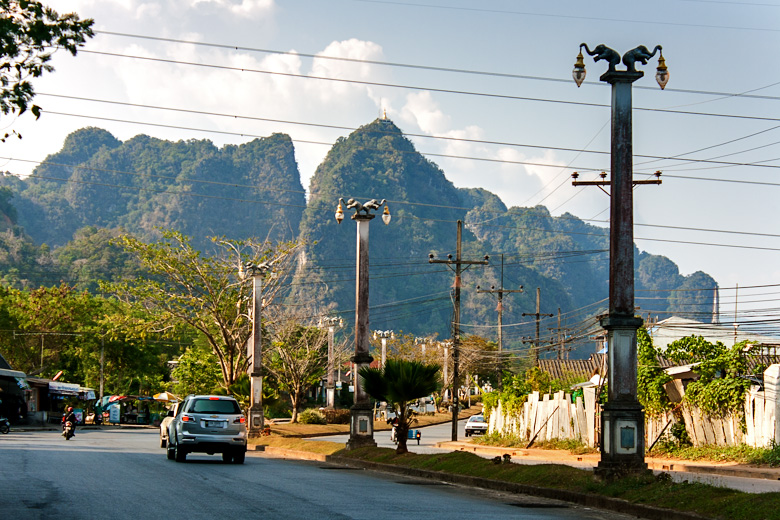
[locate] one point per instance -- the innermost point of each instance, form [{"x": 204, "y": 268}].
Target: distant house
[{"x": 674, "y": 328}]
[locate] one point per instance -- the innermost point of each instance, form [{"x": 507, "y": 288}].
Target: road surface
[{"x": 123, "y": 474}]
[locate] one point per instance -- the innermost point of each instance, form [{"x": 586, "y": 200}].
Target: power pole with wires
[
  {"x": 458, "y": 269},
  {"x": 538, "y": 316},
  {"x": 560, "y": 338},
  {"x": 500, "y": 292}
]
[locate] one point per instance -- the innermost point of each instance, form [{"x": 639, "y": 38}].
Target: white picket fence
[
  {"x": 557, "y": 417},
  {"x": 549, "y": 417}
]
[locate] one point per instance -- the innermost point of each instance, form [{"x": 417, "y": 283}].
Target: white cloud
[{"x": 421, "y": 110}]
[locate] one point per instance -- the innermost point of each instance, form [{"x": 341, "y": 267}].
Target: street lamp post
[
  {"x": 383, "y": 335},
  {"x": 330, "y": 387},
  {"x": 255, "y": 355},
  {"x": 361, "y": 426},
  {"x": 622, "y": 419}
]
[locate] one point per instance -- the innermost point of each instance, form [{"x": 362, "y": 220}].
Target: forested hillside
[
  {"x": 95, "y": 180},
  {"x": 97, "y": 187}
]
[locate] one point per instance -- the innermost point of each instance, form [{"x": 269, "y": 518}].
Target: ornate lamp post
[
  {"x": 361, "y": 428},
  {"x": 622, "y": 419},
  {"x": 255, "y": 351},
  {"x": 383, "y": 335},
  {"x": 330, "y": 387}
]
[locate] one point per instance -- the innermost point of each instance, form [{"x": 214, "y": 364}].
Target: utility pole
[
  {"x": 538, "y": 315},
  {"x": 458, "y": 263},
  {"x": 383, "y": 335},
  {"x": 560, "y": 337},
  {"x": 255, "y": 354},
  {"x": 622, "y": 418},
  {"x": 500, "y": 292},
  {"x": 330, "y": 386},
  {"x": 445, "y": 375},
  {"x": 102, "y": 364}
]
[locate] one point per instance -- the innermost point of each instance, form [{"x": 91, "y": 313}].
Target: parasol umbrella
[{"x": 165, "y": 396}]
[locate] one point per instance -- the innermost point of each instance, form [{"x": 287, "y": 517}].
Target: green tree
[
  {"x": 206, "y": 294},
  {"x": 721, "y": 387},
  {"x": 197, "y": 371},
  {"x": 650, "y": 376},
  {"x": 95, "y": 255},
  {"x": 296, "y": 359},
  {"x": 401, "y": 383},
  {"x": 29, "y": 33}
]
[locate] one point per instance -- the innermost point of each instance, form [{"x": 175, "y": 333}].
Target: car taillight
[
  {"x": 239, "y": 420},
  {"x": 187, "y": 418},
  {"x": 213, "y": 398}
]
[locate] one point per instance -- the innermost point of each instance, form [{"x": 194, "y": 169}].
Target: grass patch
[
  {"x": 741, "y": 454},
  {"x": 297, "y": 443},
  {"x": 512, "y": 441},
  {"x": 712, "y": 502},
  {"x": 316, "y": 430}
]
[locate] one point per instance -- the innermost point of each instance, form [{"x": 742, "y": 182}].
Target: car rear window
[{"x": 225, "y": 406}]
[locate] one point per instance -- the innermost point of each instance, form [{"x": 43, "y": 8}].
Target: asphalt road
[
  {"x": 123, "y": 474},
  {"x": 430, "y": 436}
]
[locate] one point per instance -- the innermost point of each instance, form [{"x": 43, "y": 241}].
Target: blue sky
[{"x": 721, "y": 57}]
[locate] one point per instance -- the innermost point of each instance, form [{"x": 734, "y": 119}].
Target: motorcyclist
[{"x": 69, "y": 415}]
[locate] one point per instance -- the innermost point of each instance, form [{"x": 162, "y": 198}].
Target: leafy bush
[
  {"x": 337, "y": 416},
  {"x": 311, "y": 416}
]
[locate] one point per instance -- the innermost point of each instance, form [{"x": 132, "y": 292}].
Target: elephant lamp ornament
[{"x": 639, "y": 54}]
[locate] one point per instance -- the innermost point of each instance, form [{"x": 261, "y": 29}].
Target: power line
[
  {"x": 420, "y": 88},
  {"x": 417, "y": 66},
  {"x": 444, "y": 138}
]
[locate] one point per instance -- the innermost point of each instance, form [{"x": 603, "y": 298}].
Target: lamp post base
[
  {"x": 256, "y": 422},
  {"x": 361, "y": 428},
  {"x": 622, "y": 441}
]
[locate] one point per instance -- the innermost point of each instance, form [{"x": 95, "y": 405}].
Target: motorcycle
[
  {"x": 68, "y": 430},
  {"x": 5, "y": 425}
]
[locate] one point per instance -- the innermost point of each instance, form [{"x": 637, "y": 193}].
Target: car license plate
[{"x": 215, "y": 424}]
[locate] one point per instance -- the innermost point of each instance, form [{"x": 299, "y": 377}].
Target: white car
[
  {"x": 165, "y": 423},
  {"x": 476, "y": 425}
]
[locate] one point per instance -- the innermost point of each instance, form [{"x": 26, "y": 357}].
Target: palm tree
[{"x": 400, "y": 383}]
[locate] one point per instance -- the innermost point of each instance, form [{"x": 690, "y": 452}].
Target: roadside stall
[
  {"x": 13, "y": 395},
  {"x": 134, "y": 409},
  {"x": 48, "y": 399}
]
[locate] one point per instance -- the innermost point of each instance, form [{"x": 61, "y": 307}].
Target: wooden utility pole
[
  {"x": 560, "y": 338},
  {"x": 500, "y": 292},
  {"x": 458, "y": 263},
  {"x": 538, "y": 316}
]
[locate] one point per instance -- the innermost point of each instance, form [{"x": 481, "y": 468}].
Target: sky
[{"x": 484, "y": 89}]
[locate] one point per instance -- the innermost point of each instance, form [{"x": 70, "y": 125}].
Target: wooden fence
[
  {"x": 549, "y": 417},
  {"x": 557, "y": 417}
]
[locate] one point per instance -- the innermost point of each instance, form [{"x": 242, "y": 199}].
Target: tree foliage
[
  {"x": 296, "y": 358},
  {"x": 207, "y": 294},
  {"x": 721, "y": 386},
  {"x": 197, "y": 371},
  {"x": 650, "y": 376},
  {"x": 29, "y": 33},
  {"x": 49, "y": 329},
  {"x": 400, "y": 383}
]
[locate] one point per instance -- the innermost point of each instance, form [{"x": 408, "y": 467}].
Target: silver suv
[{"x": 208, "y": 424}]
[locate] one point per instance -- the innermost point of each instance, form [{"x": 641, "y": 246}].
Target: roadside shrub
[
  {"x": 311, "y": 416},
  {"x": 336, "y": 416}
]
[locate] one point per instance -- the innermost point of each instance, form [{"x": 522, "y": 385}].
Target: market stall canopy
[{"x": 165, "y": 396}]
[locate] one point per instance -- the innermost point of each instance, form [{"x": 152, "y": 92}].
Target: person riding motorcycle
[{"x": 69, "y": 415}]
